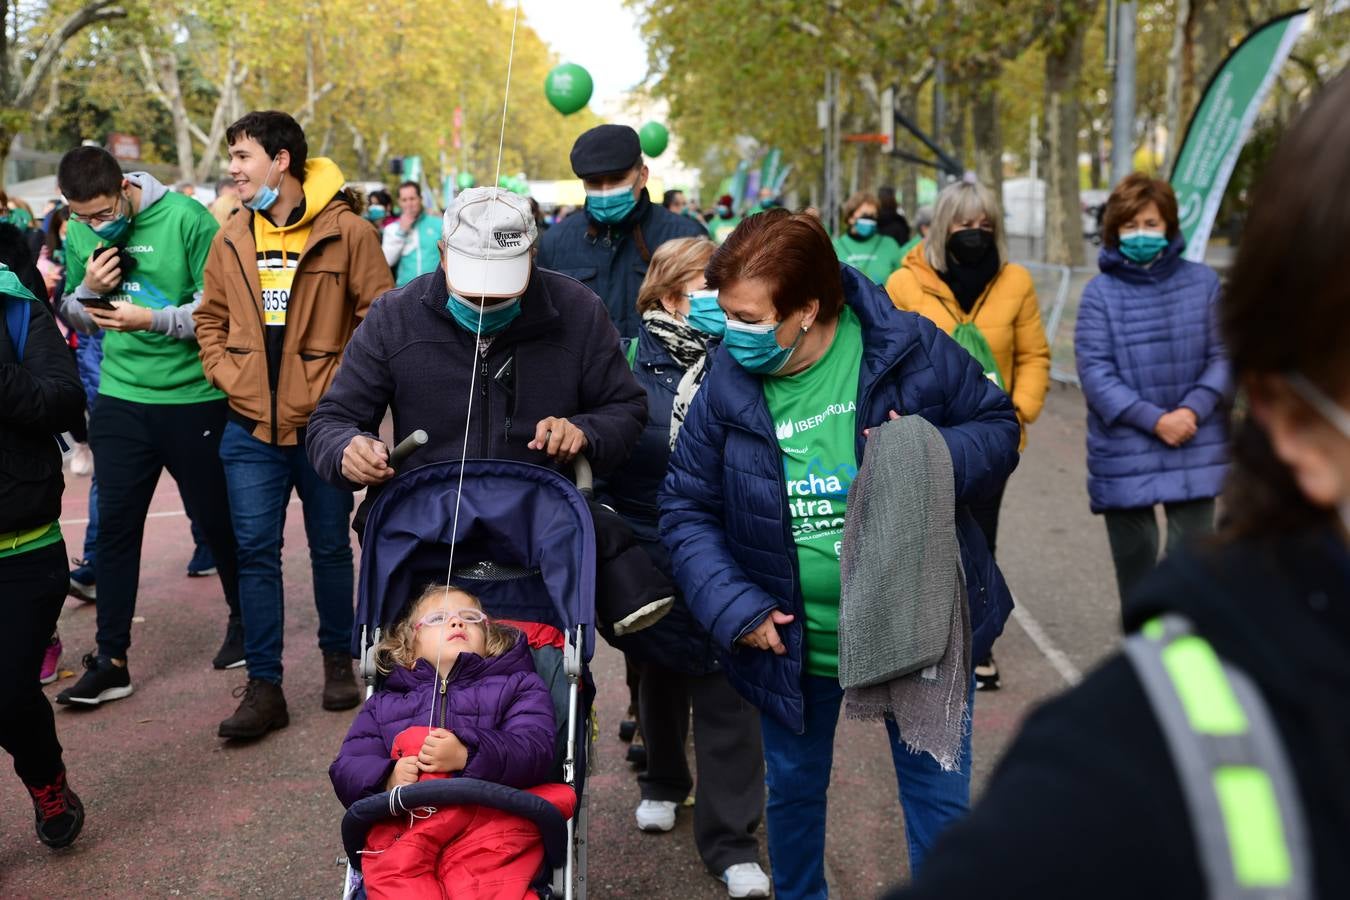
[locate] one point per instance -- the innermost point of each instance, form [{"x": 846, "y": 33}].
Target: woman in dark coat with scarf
[
  {"x": 1154, "y": 375},
  {"x": 753, "y": 508},
  {"x": 677, "y": 665}
]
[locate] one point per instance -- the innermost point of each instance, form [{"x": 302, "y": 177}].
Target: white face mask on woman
[{"x": 1334, "y": 414}]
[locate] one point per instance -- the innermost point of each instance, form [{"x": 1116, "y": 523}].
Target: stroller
[{"x": 525, "y": 546}]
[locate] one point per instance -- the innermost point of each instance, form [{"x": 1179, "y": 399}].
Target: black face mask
[{"x": 969, "y": 246}]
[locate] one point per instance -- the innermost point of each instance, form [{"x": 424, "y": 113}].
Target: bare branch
[{"x": 89, "y": 14}]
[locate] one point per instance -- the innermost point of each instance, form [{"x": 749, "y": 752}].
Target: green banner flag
[{"x": 1220, "y": 124}]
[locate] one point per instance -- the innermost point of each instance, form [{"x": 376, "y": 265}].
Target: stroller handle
[
  {"x": 406, "y": 447},
  {"x": 582, "y": 475}
]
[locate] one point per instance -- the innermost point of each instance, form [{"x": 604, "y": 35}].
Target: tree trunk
[
  {"x": 1175, "y": 79},
  {"x": 908, "y": 184},
  {"x": 987, "y": 135},
  {"x": 1096, "y": 148},
  {"x": 6, "y": 141},
  {"x": 1063, "y": 216}
]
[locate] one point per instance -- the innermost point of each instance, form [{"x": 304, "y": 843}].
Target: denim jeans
[
  {"x": 798, "y": 775},
  {"x": 260, "y": 477}
]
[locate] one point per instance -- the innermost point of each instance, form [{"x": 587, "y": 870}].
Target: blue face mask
[
  {"x": 116, "y": 229},
  {"x": 496, "y": 316},
  {"x": 266, "y": 196},
  {"x": 705, "y": 314},
  {"x": 1142, "y": 246},
  {"x": 375, "y": 213},
  {"x": 612, "y": 205},
  {"x": 865, "y": 228},
  {"x": 755, "y": 347}
]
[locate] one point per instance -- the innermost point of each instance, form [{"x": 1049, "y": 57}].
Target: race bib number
[{"x": 276, "y": 294}]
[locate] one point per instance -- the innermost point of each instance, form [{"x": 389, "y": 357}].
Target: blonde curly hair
[{"x": 397, "y": 649}]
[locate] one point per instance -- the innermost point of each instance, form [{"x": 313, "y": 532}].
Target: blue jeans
[
  {"x": 798, "y": 775},
  {"x": 260, "y": 477}
]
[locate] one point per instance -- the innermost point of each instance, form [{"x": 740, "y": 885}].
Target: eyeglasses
[
  {"x": 100, "y": 218},
  {"x": 469, "y": 616}
]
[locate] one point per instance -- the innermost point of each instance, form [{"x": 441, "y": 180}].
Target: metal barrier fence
[{"x": 1059, "y": 289}]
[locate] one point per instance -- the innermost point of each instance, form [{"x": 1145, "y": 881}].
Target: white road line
[
  {"x": 166, "y": 514},
  {"x": 1058, "y": 659}
]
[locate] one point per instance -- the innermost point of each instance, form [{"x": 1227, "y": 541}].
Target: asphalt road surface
[{"x": 174, "y": 811}]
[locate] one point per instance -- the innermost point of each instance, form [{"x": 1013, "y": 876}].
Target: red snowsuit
[{"x": 458, "y": 853}]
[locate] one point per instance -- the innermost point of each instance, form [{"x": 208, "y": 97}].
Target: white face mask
[{"x": 1333, "y": 413}]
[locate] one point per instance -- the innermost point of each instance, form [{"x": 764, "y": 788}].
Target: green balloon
[
  {"x": 654, "y": 138},
  {"x": 568, "y": 87},
  {"x": 464, "y": 181}
]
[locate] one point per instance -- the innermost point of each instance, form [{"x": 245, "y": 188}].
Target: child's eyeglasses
[{"x": 468, "y": 616}]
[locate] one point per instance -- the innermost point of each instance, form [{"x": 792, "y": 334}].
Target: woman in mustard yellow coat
[{"x": 960, "y": 278}]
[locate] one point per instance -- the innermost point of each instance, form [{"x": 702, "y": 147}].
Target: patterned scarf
[{"x": 689, "y": 348}]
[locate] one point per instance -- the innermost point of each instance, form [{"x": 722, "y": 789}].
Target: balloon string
[{"x": 478, "y": 342}]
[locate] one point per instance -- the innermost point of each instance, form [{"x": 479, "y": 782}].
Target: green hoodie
[{"x": 169, "y": 239}]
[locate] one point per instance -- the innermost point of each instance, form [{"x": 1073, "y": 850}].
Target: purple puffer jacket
[
  {"x": 1146, "y": 343},
  {"x": 497, "y": 706}
]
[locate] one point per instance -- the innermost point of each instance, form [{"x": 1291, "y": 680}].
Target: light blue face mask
[
  {"x": 496, "y": 316},
  {"x": 865, "y": 228},
  {"x": 266, "y": 196},
  {"x": 755, "y": 347},
  {"x": 1142, "y": 246},
  {"x": 376, "y": 213},
  {"x": 611, "y": 205},
  {"x": 705, "y": 314}
]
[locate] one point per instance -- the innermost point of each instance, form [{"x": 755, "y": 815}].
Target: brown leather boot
[
  {"x": 339, "y": 685},
  {"x": 262, "y": 709}
]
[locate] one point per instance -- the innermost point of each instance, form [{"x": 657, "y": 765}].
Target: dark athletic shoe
[
  {"x": 101, "y": 682},
  {"x": 262, "y": 709},
  {"x": 59, "y": 813},
  {"x": 339, "y": 685},
  {"x": 986, "y": 675},
  {"x": 231, "y": 652},
  {"x": 82, "y": 582},
  {"x": 202, "y": 563}
]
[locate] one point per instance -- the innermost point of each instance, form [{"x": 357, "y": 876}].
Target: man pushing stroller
[{"x": 494, "y": 358}]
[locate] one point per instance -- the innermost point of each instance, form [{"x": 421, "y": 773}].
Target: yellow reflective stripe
[
  {"x": 1200, "y": 683},
  {"x": 1251, "y": 818}
]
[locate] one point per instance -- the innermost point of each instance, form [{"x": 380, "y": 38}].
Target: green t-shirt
[
  {"x": 877, "y": 257},
  {"x": 720, "y": 229},
  {"x": 169, "y": 242},
  {"x": 815, "y": 415},
  {"x": 50, "y": 536}
]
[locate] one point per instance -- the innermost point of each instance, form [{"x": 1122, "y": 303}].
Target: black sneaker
[
  {"x": 231, "y": 652},
  {"x": 102, "y": 681},
  {"x": 82, "y": 581},
  {"x": 59, "y": 813},
  {"x": 986, "y": 674},
  {"x": 202, "y": 564}
]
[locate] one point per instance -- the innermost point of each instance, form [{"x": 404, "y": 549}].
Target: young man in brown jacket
[{"x": 290, "y": 276}]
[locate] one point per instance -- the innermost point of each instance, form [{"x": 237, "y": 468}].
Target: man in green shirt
[{"x": 134, "y": 258}]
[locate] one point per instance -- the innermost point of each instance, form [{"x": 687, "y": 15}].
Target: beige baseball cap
[{"x": 488, "y": 234}]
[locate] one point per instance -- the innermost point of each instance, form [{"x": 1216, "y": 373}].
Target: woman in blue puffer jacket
[
  {"x": 1155, "y": 376},
  {"x": 752, "y": 509}
]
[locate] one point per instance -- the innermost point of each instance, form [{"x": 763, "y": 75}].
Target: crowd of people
[{"x": 761, "y": 403}]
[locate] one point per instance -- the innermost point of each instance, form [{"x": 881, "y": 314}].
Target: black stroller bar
[{"x": 444, "y": 792}]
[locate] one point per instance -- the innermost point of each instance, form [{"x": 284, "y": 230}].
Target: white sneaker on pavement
[
  {"x": 658, "y": 815},
  {"x": 746, "y": 880}
]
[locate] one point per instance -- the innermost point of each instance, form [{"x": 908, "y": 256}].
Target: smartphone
[
  {"x": 125, "y": 261},
  {"x": 97, "y": 302}
]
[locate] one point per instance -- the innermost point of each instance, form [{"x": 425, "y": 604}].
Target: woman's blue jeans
[{"x": 798, "y": 776}]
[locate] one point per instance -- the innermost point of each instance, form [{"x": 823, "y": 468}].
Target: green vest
[{"x": 1240, "y": 791}]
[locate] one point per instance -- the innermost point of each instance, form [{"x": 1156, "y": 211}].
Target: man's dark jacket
[
  {"x": 560, "y": 357},
  {"x": 612, "y": 259}
]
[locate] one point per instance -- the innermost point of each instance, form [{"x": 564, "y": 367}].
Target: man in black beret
[{"x": 609, "y": 247}]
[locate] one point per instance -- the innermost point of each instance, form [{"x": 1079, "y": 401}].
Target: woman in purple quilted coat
[{"x": 1155, "y": 378}]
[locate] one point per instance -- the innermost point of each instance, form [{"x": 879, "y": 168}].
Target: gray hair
[
  {"x": 962, "y": 201},
  {"x": 923, "y": 217}
]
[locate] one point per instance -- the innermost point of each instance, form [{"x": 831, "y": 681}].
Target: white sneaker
[
  {"x": 746, "y": 880},
  {"x": 659, "y": 815},
  {"x": 82, "y": 462}
]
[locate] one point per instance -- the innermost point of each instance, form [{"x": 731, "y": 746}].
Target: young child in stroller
[{"x": 492, "y": 719}]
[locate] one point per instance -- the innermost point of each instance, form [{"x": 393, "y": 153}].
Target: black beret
[{"x": 605, "y": 149}]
